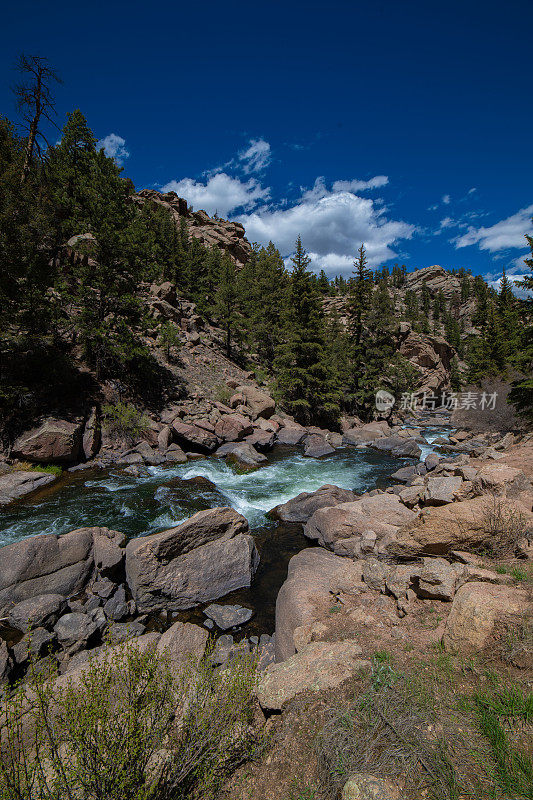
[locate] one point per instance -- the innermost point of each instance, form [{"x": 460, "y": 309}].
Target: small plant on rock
[{"x": 123, "y": 421}]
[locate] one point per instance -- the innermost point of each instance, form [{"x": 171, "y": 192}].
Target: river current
[{"x": 162, "y": 497}]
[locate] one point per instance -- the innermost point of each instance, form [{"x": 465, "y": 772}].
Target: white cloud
[
  {"x": 358, "y": 186},
  {"x": 332, "y": 224},
  {"x": 256, "y": 157},
  {"x": 505, "y": 234},
  {"x": 114, "y": 147},
  {"x": 446, "y": 222},
  {"x": 221, "y": 193},
  {"x": 446, "y": 199}
]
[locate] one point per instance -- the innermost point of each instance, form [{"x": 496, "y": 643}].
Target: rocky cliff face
[
  {"x": 229, "y": 236},
  {"x": 430, "y": 355}
]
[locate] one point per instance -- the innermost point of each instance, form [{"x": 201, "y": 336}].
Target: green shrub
[
  {"x": 169, "y": 337},
  {"x": 124, "y": 421},
  {"x": 223, "y": 394},
  {"x": 129, "y": 728}
]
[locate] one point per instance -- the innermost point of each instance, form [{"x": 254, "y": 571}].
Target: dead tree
[{"x": 34, "y": 102}]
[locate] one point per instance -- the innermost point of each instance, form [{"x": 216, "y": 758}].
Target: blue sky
[{"x": 406, "y": 125}]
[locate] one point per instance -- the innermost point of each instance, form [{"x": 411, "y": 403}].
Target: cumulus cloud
[
  {"x": 446, "y": 199},
  {"x": 332, "y": 224},
  {"x": 220, "y": 192},
  {"x": 505, "y": 234},
  {"x": 114, "y": 147},
  {"x": 256, "y": 157}
]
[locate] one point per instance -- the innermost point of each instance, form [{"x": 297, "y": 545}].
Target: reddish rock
[
  {"x": 233, "y": 428},
  {"x": 56, "y": 441},
  {"x": 194, "y": 437}
]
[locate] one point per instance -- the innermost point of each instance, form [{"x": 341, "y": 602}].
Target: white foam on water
[{"x": 142, "y": 505}]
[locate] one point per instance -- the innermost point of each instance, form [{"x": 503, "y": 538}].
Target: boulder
[
  {"x": 304, "y": 505},
  {"x": 501, "y": 480},
  {"x": 233, "y": 428},
  {"x": 17, "y": 484},
  {"x": 409, "y": 449},
  {"x": 92, "y": 435},
  {"x": 305, "y": 595},
  {"x": 75, "y": 629},
  {"x": 204, "y": 558},
  {"x": 291, "y": 435},
  {"x": 442, "y": 490},
  {"x": 316, "y": 446},
  {"x": 437, "y": 579},
  {"x": 317, "y": 666},
  {"x": 476, "y": 611},
  {"x": 226, "y": 617},
  {"x": 362, "y": 786},
  {"x": 431, "y": 461},
  {"x": 244, "y": 456},
  {"x": 260, "y": 404},
  {"x": 36, "y": 612},
  {"x": 405, "y": 474},
  {"x": 262, "y": 440},
  {"x": 457, "y": 526},
  {"x": 183, "y": 641},
  {"x": 362, "y": 434},
  {"x": 175, "y": 453},
  {"x": 35, "y": 644},
  {"x": 194, "y": 437},
  {"x": 45, "y": 564},
  {"x": 109, "y": 551},
  {"x": 56, "y": 441},
  {"x": 164, "y": 437},
  {"x": 381, "y": 514},
  {"x": 117, "y": 607}
]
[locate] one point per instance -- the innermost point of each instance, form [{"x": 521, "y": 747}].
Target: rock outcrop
[
  {"x": 204, "y": 558},
  {"x": 352, "y": 528},
  {"x": 21, "y": 483},
  {"x": 209, "y": 231},
  {"x": 55, "y": 441},
  {"x": 458, "y": 526},
  {"x": 302, "y": 507},
  {"x": 476, "y": 611},
  {"x": 318, "y": 665}
]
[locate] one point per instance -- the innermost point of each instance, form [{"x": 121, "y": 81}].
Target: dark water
[{"x": 164, "y": 496}]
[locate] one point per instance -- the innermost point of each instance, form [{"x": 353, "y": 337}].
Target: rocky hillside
[{"x": 229, "y": 236}]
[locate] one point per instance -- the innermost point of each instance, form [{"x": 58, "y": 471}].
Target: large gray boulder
[
  {"x": 20, "y": 483},
  {"x": 303, "y": 506},
  {"x": 75, "y": 629},
  {"x": 36, "y": 612},
  {"x": 291, "y": 435},
  {"x": 342, "y": 527},
  {"x": 183, "y": 641},
  {"x": 305, "y": 596},
  {"x": 56, "y": 440},
  {"x": 316, "y": 446},
  {"x": 260, "y": 404},
  {"x": 204, "y": 558},
  {"x": 109, "y": 550},
  {"x": 194, "y": 437},
  {"x": 47, "y": 564},
  {"x": 318, "y": 665}
]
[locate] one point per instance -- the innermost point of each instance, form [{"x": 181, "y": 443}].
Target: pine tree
[
  {"x": 358, "y": 307},
  {"x": 521, "y": 394},
  {"x": 90, "y": 197},
  {"x": 304, "y": 378},
  {"x": 509, "y": 319},
  {"x": 226, "y": 300},
  {"x": 488, "y": 354}
]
